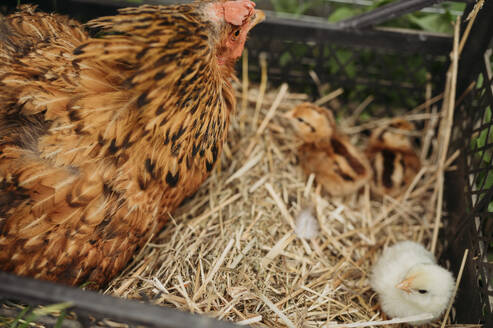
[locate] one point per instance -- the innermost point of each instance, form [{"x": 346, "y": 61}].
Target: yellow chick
[
  {"x": 409, "y": 282},
  {"x": 338, "y": 166},
  {"x": 393, "y": 159}
]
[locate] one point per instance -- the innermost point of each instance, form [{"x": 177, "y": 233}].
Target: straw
[
  {"x": 423, "y": 316},
  {"x": 446, "y": 129},
  {"x": 457, "y": 283},
  {"x": 230, "y": 251}
]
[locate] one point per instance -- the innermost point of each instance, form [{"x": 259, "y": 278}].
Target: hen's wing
[
  {"x": 101, "y": 137},
  {"x": 61, "y": 223},
  {"x": 62, "y": 213},
  {"x": 55, "y": 207}
]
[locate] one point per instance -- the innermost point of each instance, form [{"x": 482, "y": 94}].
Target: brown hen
[{"x": 101, "y": 138}]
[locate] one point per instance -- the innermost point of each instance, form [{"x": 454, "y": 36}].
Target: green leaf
[
  {"x": 433, "y": 23},
  {"x": 87, "y": 283},
  {"x": 60, "y": 319},
  {"x": 457, "y": 6},
  {"x": 30, "y": 318},
  {"x": 19, "y": 317},
  {"x": 490, "y": 210},
  {"x": 487, "y": 114},
  {"x": 489, "y": 180},
  {"x": 44, "y": 310},
  {"x": 365, "y": 117},
  {"x": 303, "y": 7},
  {"x": 292, "y": 6},
  {"x": 53, "y": 308},
  {"x": 481, "y": 140},
  {"x": 380, "y": 3},
  {"x": 343, "y": 13},
  {"x": 479, "y": 81},
  {"x": 285, "y": 59},
  {"x": 345, "y": 58}
]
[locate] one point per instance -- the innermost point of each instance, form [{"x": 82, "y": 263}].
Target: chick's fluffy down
[{"x": 431, "y": 288}]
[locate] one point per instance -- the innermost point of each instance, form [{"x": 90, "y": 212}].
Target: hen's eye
[
  {"x": 235, "y": 35},
  {"x": 422, "y": 291}
]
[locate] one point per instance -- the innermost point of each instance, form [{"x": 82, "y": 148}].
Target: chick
[
  {"x": 393, "y": 159},
  {"x": 338, "y": 166},
  {"x": 409, "y": 282}
]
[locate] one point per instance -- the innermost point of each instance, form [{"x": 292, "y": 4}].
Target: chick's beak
[
  {"x": 289, "y": 115},
  {"x": 405, "y": 285}
]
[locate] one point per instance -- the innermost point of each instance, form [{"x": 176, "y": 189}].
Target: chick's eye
[
  {"x": 422, "y": 291},
  {"x": 300, "y": 119}
]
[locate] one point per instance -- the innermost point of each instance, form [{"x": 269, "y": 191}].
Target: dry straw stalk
[{"x": 230, "y": 251}]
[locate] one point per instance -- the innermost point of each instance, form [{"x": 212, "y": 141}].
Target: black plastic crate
[{"x": 363, "y": 61}]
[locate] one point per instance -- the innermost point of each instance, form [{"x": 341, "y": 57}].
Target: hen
[
  {"x": 338, "y": 166},
  {"x": 393, "y": 159},
  {"x": 101, "y": 138}
]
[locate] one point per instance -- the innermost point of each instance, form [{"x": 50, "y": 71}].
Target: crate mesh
[
  {"x": 470, "y": 220},
  {"x": 360, "y": 70},
  {"x": 367, "y": 63}
]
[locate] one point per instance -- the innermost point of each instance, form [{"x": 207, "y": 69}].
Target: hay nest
[{"x": 230, "y": 251}]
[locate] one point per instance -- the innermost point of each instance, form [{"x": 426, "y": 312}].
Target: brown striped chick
[
  {"x": 338, "y": 166},
  {"x": 393, "y": 159}
]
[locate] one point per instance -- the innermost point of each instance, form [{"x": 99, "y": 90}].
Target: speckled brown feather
[
  {"x": 101, "y": 138},
  {"x": 393, "y": 159},
  {"x": 338, "y": 166}
]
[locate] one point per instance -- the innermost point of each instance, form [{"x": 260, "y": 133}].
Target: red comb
[{"x": 236, "y": 12}]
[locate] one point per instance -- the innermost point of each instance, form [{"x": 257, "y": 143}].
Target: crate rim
[{"x": 92, "y": 303}]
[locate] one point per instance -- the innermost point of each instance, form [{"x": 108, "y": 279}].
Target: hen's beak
[
  {"x": 405, "y": 285},
  {"x": 258, "y": 18}
]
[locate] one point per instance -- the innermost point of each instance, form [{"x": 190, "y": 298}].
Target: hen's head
[
  {"x": 312, "y": 123},
  {"x": 428, "y": 287},
  {"x": 233, "y": 20}
]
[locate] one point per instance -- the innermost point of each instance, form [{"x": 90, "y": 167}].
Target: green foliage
[
  {"x": 483, "y": 155},
  {"x": 59, "y": 320},
  {"x": 431, "y": 22},
  {"x": 15, "y": 321},
  {"x": 86, "y": 284},
  {"x": 441, "y": 23},
  {"x": 28, "y": 316},
  {"x": 342, "y": 13},
  {"x": 285, "y": 59},
  {"x": 342, "y": 63},
  {"x": 296, "y": 51},
  {"x": 296, "y": 7}
]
